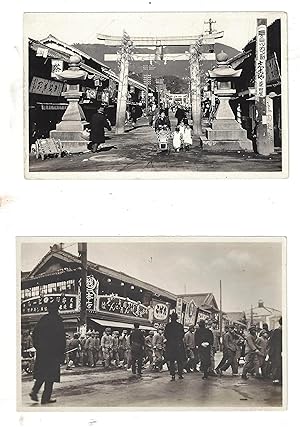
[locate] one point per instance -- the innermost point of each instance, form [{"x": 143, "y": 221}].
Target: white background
[{"x": 204, "y": 207}]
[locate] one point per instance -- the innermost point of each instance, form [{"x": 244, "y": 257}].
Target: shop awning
[{"x": 110, "y": 323}]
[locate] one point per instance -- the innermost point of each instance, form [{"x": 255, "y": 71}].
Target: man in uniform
[
  {"x": 96, "y": 348},
  {"x": 230, "y": 348},
  {"x": 189, "y": 341},
  {"x": 50, "y": 342},
  {"x": 251, "y": 354},
  {"x": 149, "y": 348},
  {"x": 115, "y": 348},
  {"x": 90, "y": 349},
  {"x": 158, "y": 347},
  {"x": 106, "y": 345}
]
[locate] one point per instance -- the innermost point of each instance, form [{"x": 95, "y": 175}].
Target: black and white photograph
[
  {"x": 155, "y": 95},
  {"x": 165, "y": 323}
]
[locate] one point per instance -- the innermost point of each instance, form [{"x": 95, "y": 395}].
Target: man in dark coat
[
  {"x": 275, "y": 353},
  {"x": 137, "y": 346},
  {"x": 50, "y": 342},
  {"x": 180, "y": 114},
  {"x": 204, "y": 340},
  {"x": 97, "y": 135},
  {"x": 174, "y": 334}
]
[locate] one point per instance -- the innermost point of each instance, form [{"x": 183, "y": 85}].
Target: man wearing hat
[
  {"x": 251, "y": 353},
  {"x": 106, "y": 345},
  {"x": 137, "y": 345},
  {"x": 204, "y": 340},
  {"x": 98, "y": 123},
  {"x": 90, "y": 349},
  {"x": 96, "y": 348},
  {"x": 50, "y": 342},
  {"x": 230, "y": 349},
  {"x": 174, "y": 334}
]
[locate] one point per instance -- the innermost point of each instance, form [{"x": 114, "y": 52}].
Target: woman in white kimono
[
  {"x": 177, "y": 137},
  {"x": 187, "y": 135}
]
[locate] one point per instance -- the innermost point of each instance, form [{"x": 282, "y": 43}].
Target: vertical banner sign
[
  {"x": 262, "y": 143},
  {"x": 270, "y": 124},
  {"x": 190, "y": 314},
  {"x": 92, "y": 290},
  {"x": 57, "y": 66},
  {"x": 261, "y": 61},
  {"x": 179, "y": 304}
]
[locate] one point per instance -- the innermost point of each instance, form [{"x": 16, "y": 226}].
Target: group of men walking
[
  {"x": 111, "y": 349},
  {"x": 180, "y": 351},
  {"x": 262, "y": 351}
]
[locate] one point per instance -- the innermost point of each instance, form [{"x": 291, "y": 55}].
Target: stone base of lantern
[
  {"x": 226, "y": 135},
  {"x": 72, "y": 141}
]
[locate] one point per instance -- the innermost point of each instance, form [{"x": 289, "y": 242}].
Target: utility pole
[
  {"x": 262, "y": 141},
  {"x": 251, "y": 315},
  {"x": 82, "y": 250},
  {"x": 221, "y": 315},
  {"x": 125, "y": 53}
]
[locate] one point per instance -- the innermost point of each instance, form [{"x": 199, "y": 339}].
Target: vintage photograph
[
  {"x": 177, "y": 323},
  {"x": 159, "y": 95}
]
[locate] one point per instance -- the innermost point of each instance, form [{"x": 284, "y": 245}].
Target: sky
[
  {"x": 238, "y": 27},
  {"x": 249, "y": 270}
]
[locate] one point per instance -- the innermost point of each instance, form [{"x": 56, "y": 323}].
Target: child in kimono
[{"x": 177, "y": 137}]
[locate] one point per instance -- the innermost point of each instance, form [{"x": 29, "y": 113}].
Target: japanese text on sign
[
  {"x": 39, "y": 304},
  {"x": 46, "y": 87},
  {"x": 261, "y": 57},
  {"x": 121, "y": 305}
]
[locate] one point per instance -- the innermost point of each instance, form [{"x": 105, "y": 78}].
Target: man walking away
[
  {"x": 174, "y": 334},
  {"x": 137, "y": 343},
  {"x": 204, "y": 340},
  {"x": 158, "y": 347},
  {"x": 230, "y": 347},
  {"x": 189, "y": 342},
  {"x": 275, "y": 353},
  {"x": 90, "y": 349},
  {"x": 149, "y": 348},
  {"x": 106, "y": 345},
  {"x": 98, "y": 123},
  {"x": 50, "y": 343},
  {"x": 262, "y": 345},
  {"x": 224, "y": 358},
  {"x": 251, "y": 353},
  {"x": 115, "y": 348}
]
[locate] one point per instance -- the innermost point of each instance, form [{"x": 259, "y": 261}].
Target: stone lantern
[
  {"x": 225, "y": 134},
  {"x": 69, "y": 130}
]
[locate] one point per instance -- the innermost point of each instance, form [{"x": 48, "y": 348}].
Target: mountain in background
[{"x": 174, "y": 69}]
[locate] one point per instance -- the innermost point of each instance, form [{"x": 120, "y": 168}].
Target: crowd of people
[
  {"x": 168, "y": 347},
  {"x": 257, "y": 351}
]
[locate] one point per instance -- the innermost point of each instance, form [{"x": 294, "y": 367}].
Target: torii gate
[{"x": 195, "y": 55}]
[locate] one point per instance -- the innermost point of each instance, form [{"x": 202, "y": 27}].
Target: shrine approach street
[
  {"x": 84, "y": 387},
  {"x": 136, "y": 151}
]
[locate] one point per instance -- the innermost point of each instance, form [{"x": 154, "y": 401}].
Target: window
[
  {"x": 51, "y": 288},
  {"x": 70, "y": 285},
  {"x": 35, "y": 291},
  {"x": 22, "y": 294},
  {"x": 27, "y": 293},
  {"x": 43, "y": 289}
]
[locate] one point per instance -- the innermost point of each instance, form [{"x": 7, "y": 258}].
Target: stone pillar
[
  {"x": 123, "y": 83},
  {"x": 195, "y": 91}
]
